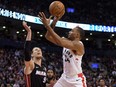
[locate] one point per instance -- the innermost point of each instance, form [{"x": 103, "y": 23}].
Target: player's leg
[
  {"x": 61, "y": 83},
  {"x": 58, "y": 85},
  {"x": 81, "y": 82}
]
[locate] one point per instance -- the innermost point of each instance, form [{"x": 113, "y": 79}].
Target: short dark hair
[
  {"x": 51, "y": 68},
  {"x": 102, "y": 79},
  {"x": 81, "y": 31}
]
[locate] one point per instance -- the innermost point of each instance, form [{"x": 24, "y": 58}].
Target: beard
[
  {"x": 70, "y": 38},
  {"x": 50, "y": 78},
  {"x": 39, "y": 57}
]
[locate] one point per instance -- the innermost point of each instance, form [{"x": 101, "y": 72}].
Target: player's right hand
[
  {"x": 27, "y": 28},
  {"x": 56, "y": 18},
  {"x": 60, "y": 15}
]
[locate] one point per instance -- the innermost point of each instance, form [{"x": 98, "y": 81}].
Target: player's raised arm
[
  {"x": 68, "y": 43},
  {"x": 29, "y": 64},
  {"x": 48, "y": 36}
]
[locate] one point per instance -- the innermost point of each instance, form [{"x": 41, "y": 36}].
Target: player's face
[
  {"x": 36, "y": 52},
  {"x": 73, "y": 34},
  {"x": 50, "y": 73},
  {"x": 102, "y": 82}
]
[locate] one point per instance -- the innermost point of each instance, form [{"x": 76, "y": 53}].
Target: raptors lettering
[{"x": 67, "y": 55}]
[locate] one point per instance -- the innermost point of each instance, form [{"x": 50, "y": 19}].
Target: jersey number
[
  {"x": 67, "y": 60},
  {"x": 44, "y": 80}
]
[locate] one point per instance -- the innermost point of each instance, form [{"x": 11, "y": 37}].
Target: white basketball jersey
[{"x": 71, "y": 63}]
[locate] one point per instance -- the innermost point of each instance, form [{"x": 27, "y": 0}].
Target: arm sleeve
[{"x": 27, "y": 51}]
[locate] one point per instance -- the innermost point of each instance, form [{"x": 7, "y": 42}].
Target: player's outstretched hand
[
  {"x": 43, "y": 19},
  {"x": 27, "y": 28}
]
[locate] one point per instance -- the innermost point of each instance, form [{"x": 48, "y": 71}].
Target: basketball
[{"x": 57, "y": 8}]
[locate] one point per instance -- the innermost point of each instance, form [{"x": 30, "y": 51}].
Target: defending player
[{"x": 35, "y": 72}]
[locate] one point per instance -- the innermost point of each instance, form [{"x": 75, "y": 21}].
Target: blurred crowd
[
  {"x": 106, "y": 70},
  {"x": 11, "y": 68},
  {"x": 88, "y": 11}
]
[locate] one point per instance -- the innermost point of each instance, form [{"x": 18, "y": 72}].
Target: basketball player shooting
[
  {"x": 35, "y": 72},
  {"x": 73, "y": 51}
]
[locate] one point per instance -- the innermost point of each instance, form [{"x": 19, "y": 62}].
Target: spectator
[
  {"x": 102, "y": 83},
  {"x": 51, "y": 77}
]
